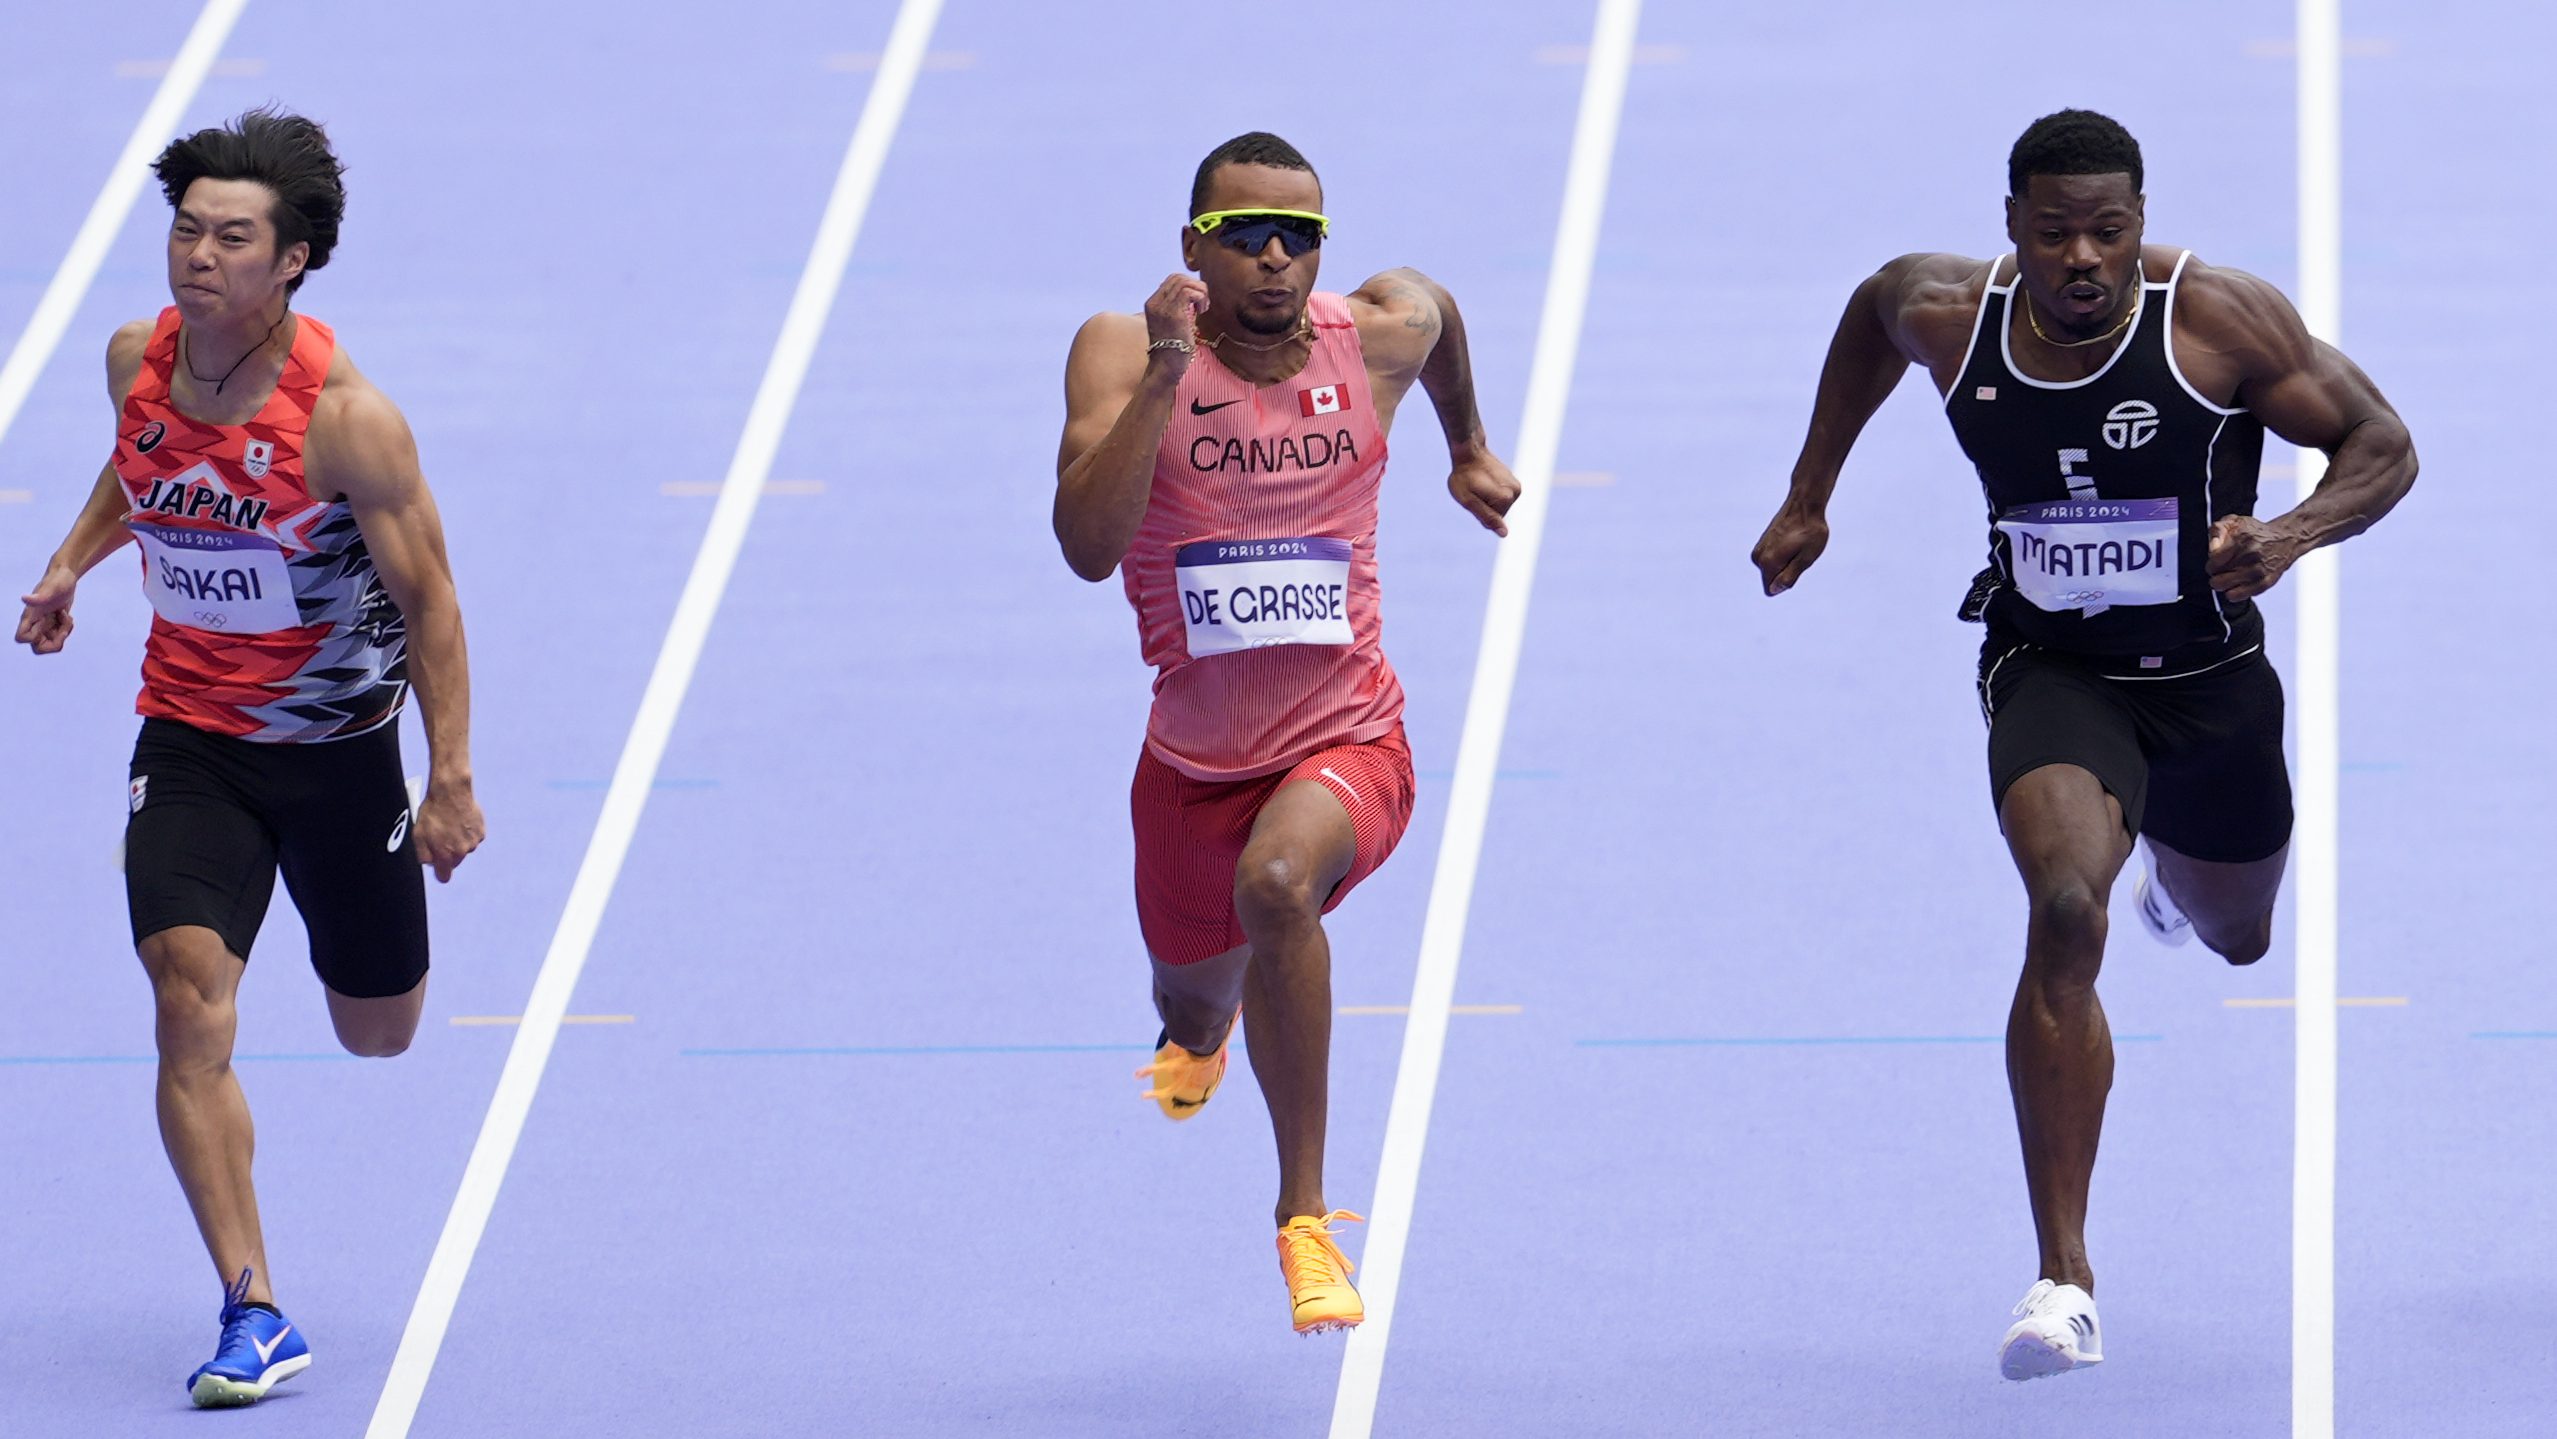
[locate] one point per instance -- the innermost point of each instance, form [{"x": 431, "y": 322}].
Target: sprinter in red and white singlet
[
  {"x": 295, "y": 567},
  {"x": 1223, "y": 453}
]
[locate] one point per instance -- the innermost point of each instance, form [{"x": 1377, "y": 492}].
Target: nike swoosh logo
[
  {"x": 1198, "y": 409},
  {"x": 266, "y": 1351}
]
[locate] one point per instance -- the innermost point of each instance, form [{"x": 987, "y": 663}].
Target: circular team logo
[
  {"x": 2130, "y": 424},
  {"x": 149, "y": 440}
]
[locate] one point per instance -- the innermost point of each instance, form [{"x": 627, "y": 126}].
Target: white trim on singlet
[
  {"x": 2210, "y": 474},
  {"x": 1979, "y": 317},
  {"x": 2172, "y": 285},
  {"x": 2006, "y": 333},
  {"x": 1988, "y": 713}
]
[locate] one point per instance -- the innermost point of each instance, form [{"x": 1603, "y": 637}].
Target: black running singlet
[{"x": 2102, "y": 491}]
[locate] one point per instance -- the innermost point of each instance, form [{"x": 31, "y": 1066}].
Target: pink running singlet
[{"x": 1254, "y": 574}]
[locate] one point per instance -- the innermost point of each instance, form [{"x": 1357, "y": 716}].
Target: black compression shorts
[
  {"x": 2195, "y": 760},
  {"x": 212, "y": 819}
]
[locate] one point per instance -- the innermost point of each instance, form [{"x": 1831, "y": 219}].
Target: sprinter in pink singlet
[{"x": 1223, "y": 453}]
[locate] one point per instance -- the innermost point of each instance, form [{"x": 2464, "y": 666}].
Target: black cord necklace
[{"x": 235, "y": 364}]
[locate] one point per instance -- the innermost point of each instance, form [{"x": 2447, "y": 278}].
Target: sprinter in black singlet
[{"x": 2114, "y": 397}]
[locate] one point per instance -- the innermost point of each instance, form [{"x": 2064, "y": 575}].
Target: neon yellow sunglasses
[{"x": 1251, "y": 231}]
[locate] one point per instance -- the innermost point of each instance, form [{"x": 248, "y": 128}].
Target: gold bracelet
[{"x": 1184, "y": 346}]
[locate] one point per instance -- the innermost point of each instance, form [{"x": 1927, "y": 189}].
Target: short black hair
[
  {"x": 286, "y": 153},
  {"x": 1260, "y": 147},
  {"x": 2073, "y": 142}
]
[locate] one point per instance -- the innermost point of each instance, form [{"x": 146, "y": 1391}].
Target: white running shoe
[
  {"x": 2058, "y": 1333},
  {"x": 2158, "y": 914}
]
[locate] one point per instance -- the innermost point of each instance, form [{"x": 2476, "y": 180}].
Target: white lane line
[
  {"x": 649, "y": 729},
  {"x": 2316, "y": 679},
  {"x": 151, "y": 134},
  {"x": 1451, "y": 895}
]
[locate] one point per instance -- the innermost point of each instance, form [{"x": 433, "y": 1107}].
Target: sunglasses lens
[{"x": 1253, "y": 236}]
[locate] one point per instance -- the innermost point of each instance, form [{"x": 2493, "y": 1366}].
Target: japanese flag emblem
[
  {"x": 1323, "y": 400},
  {"x": 260, "y": 456}
]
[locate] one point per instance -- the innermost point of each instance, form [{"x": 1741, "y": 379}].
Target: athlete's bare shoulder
[
  {"x": 1928, "y": 303},
  {"x": 1398, "y": 318},
  {"x": 125, "y": 349},
  {"x": 2233, "y": 328},
  {"x": 350, "y": 401},
  {"x": 1106, "y": 362},
  {"x": 1112, "y": 335},
  {"x": 360, "y": 446},
  {"x": 2222, "y": 309}
]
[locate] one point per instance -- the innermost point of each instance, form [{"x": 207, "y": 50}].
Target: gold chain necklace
[
  {"x": 2118, "y": 326},
  {"x": 1304, "y": 331}
]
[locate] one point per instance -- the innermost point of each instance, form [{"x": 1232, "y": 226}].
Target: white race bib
[
  {"x": 224, "y": 581},
  {"x": 2093, "y": 554},
  {"x": 1244, "y": 594}
]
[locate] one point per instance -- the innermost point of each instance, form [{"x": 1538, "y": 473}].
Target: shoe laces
[
  {"x": 1310, "y": 1254},
  {"x": 2032, "y": 1301},
  {"x": 1180, "y": 1070},
  {"x": 1183, "y": 1071},
  {"x": 236, "y": 1312}
]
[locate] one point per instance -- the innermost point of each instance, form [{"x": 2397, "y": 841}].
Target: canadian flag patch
[{"x": 1323, "y": 400}]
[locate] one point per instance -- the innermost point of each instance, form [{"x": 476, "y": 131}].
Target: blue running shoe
[{"x": 260, "y": 1349}]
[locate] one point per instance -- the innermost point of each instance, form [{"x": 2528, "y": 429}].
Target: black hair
[
  {"x": 2073, "y": 142},
  {"x": 287, "y": 154},
  {"x": 1260, "y": 147}
]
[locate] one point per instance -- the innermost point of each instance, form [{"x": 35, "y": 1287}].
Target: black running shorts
[
  {"x": 2195, "y": 760},
  {"x": 212, "y": 819}
]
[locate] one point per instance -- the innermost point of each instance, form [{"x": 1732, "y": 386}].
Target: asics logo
[
  {"x": 399, "y": 831},
  {"x": 266, "y": 1348}
]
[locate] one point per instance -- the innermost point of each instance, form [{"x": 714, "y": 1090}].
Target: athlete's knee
[
  {"x": 188, "y": 1019},
  {"x": 1274, "y": 890},
  {"x": 2246, "y": 946},
  {"x": 191, "y": 1023},
  {"x": 375, "y": 1028},
  {"x": 190, "y": 994},
  {"x": 375, "y": 1045},
  {"x": 2068, "y": 928}
]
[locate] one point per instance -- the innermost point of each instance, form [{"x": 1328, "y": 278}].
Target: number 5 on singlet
[
  {"x": 1247, "y": 594},
  {"x": 224, "y": 581}
]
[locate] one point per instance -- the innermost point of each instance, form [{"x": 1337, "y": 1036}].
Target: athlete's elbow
[
  {"x": 1087, "y": 562},
  {"x": 2389, "y": 435}
]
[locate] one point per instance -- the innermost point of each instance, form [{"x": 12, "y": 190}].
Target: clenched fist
[{"x": 1173, "y": 314}]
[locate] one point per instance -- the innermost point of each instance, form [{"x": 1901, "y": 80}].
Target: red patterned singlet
[{"x": 270, "y": 622}]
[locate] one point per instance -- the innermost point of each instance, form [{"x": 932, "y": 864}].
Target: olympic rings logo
[{"x": 208, "y": 619}]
